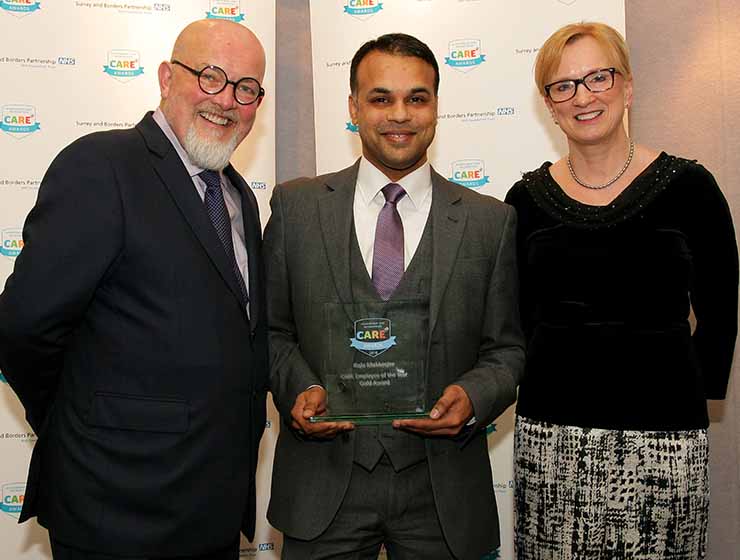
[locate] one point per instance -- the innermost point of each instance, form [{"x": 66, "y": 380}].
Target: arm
[
  {"x": 71, "y": 237},
  {"x": 714, "y": 288},
  {"x": 490, "y": 387}
]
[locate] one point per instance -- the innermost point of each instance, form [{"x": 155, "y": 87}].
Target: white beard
[{"x": 208, "y": 153}]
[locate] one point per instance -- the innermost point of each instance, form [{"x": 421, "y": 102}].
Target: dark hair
[{"x": 397, "y": 44}]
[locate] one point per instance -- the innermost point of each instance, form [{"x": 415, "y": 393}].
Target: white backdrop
[
  {"x": 71, "y": 67},
  {"x": 492, "y": 123}
]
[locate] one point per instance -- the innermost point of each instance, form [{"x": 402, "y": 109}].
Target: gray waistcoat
[{"x": 402, "y": 448}]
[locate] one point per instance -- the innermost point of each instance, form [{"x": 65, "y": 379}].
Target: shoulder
[
  {"x": 91, "y": 148},
  {"x": 310, "y": 187},
  {"x": 523, "y": 191},
  {"x": 690, "y": 180}
]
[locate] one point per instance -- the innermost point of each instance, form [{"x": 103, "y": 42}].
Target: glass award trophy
[{"x": 374, "y": 370}]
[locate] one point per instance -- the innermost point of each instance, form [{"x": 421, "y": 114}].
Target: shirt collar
[
  {"x": 161, "y": 120},
  {"x": 371, "y": 180}
]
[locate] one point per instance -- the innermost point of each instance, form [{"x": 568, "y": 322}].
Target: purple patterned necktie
[
  {"x": 388, "y": 249},
  {"x": 219, "y": 215}
]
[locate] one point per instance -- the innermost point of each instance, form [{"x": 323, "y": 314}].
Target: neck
[{"x": 598, "y": 163}]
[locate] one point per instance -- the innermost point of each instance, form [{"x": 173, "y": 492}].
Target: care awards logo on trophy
[
  {"x": 123, "y": 65},
  {"x": 225, "y": 9},
  {"x": 464, "y": 55},
  {"x": 19, "y": 121},
  {"x": 12, "y": 500},
  {"x": 19, "y": 8},
  {"x": 469, "y": 173},
  {"x": 11, "y": 242},
  {"x": 374, "y": 370},
  {"x": 362, "y": 9}
]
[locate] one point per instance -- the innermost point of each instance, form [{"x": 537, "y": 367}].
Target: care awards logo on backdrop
[
  {"x": 469, "y": 173},
  {"x": 2, "y": 378},
  {"x": 123, "y": 65},
  {"x": 20, "y": 8},
  {"x": 19, "y": 120},
  {"x": 225, "y": 9},
  {"x": 12, "y": 499},
  {"x": 465, "y": 55},
  {"x": 11, "y": 242},
  {"x": 351, "y": 127},
  {"x": 362, "y": 9}
]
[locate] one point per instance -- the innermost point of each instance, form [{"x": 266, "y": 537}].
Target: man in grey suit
[{"x": 390, "y": 228}]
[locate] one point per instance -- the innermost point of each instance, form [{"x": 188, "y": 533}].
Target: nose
[
  {"x": 583, "y": 95},
  {"x": 399, "y": 112},
  {"x": 225, "y": 98}
]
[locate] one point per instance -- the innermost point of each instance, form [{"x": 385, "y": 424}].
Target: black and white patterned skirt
[{"x": 596, "y": 494}]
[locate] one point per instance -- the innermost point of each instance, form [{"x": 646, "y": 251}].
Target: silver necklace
[{"x": 597, "y": 187}]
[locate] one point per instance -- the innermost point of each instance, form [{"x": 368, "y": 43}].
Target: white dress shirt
[{"x": 413, "y": 208}]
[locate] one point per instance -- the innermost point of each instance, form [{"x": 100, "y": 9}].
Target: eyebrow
[
  {"x": 596, "y": 69},
  {"x": 419, "y": 89}
]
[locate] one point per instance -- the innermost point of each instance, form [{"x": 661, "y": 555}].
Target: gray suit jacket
[{"x": 475, "y": 341}]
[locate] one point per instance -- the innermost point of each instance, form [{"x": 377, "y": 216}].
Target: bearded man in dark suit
[
  {"x": 422, "y": 487},
  {"x": 133, "y": 327}
]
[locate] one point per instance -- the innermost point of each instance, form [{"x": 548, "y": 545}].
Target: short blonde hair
[{"x": 608, "y": 38}]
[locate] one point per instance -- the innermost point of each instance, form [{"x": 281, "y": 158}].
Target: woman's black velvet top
[{"x": 606, "y": 293}]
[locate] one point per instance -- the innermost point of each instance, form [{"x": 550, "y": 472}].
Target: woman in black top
[{"x": 617, "y": 243}]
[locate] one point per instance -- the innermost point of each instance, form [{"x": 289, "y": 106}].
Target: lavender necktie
[
  {"x": 219, "y": 215},
  {"x": 388, "y": 249}
]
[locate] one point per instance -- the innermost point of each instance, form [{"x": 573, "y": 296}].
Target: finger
[
  {"x": 315, "y": 400},
  {"x": 448, "y": 400},
  {"x": 325, "y": 430}
]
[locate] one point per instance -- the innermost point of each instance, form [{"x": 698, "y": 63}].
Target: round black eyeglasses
[
  {"x": 212, "y": 80},
  {"x": 595, "y": 82}
]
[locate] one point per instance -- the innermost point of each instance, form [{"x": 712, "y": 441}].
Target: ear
[
  {"x": 628, "y": 94},
  {"x": 164, "y": 73},
  {"x": 550, "y": 108},
  {"x": 353, "y": 109}
]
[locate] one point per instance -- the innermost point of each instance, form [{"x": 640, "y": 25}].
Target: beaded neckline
[{"x": 639, "y": 193}]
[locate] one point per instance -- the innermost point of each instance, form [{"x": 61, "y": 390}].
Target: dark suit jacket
[
  {"x": 121, "y": 331},
  {"x": 475, "y": 341}
]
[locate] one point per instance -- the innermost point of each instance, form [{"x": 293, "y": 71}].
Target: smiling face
[
  {"x": 395, "y": 108},
  {"x": 210, "y": 124},
  {"x": 589, "y": 118}
]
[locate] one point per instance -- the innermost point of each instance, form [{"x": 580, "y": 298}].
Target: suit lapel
[
  {"x": 173, "y": 174},
  {"x": 336, "y": 216},
  {"x": 448, "y": 224}
]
